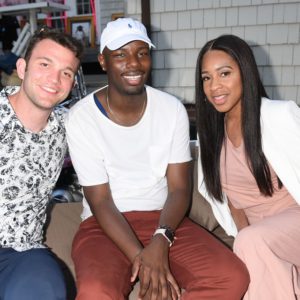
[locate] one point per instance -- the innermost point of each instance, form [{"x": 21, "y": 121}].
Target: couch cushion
[
  {"x": 201, "y": 212},
  {"x": 63, "y": 224}
]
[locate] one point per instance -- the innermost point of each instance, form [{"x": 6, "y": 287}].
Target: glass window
[{"x": 83, "y": 7}]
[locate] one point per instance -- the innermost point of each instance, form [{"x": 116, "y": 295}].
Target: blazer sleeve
[{"x": 280, "y": 123}]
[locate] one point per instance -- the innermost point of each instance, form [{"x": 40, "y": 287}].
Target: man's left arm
[
  {"x": 179, "y": 190},
  {"x": 152, "y": 264},
  {"x": 178, "y": 173}
]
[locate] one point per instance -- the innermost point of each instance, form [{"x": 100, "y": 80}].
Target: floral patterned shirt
[{"x": 30, "y": 164}]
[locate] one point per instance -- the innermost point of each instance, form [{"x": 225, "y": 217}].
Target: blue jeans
[{"x": 30, "y": 275}]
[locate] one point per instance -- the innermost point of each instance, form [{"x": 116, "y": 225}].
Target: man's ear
[
  {"x": 101, "y": 61},
  {"x": 21, "y": 67}
]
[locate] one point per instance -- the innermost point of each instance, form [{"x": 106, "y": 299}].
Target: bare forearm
[
  {"x": 118, "y": 230},
  {"x": 175, "y": 209},
  {"x": 111, "y": 221},
  {"x": 179, "y": 193}
]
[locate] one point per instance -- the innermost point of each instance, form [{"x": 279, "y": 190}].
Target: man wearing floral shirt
[{"x": 32, "y": 149}]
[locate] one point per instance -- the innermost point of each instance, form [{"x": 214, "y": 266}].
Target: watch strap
[{"x": 168, "y": 234}]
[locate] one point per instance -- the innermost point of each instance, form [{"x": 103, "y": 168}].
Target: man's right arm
[
  {"x": 87, "y": 159},
  {"x": 111, "y": 220}
]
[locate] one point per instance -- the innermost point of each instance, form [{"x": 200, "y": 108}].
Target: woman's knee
[{"x": 248, "y": 238}]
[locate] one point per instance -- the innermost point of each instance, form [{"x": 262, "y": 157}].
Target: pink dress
[{"x": 270, "y": 246}]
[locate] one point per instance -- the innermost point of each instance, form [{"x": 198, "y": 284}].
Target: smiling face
[
  {"x": 222, "y": 83},
  {"x": 127, "y": 67},
  {"x": 48, "y": 77}
]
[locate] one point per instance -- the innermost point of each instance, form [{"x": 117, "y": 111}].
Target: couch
[{"x": 64, "y": 219}]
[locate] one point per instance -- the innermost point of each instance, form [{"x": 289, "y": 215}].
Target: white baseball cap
[{"x": 122, "y": 31}]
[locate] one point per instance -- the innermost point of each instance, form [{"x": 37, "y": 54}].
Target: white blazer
[{"x": 280, "y": 127}]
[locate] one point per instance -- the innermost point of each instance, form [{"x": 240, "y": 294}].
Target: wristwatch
[{"x": 167, "y": 232}]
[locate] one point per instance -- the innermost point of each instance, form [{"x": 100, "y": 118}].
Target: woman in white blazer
[{"x": 249, "y": 166}]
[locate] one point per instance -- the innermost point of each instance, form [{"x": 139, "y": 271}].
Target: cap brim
[{"x": 123, "y": 40}]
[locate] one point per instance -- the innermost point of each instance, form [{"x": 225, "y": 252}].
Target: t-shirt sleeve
[
  {"x": 86, "y": 155},
  {"x": 180, "y": 151}
]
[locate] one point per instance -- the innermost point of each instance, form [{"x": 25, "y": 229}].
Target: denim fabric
[{"x": 30, "y": 275}]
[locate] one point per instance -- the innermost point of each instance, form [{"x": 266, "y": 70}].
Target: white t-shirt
[{"x": 132, "y": 159}]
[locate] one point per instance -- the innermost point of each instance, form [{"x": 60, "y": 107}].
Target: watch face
[{"x": 169, "y": 235}]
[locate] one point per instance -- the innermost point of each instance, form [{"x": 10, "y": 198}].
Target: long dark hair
[{"x": 210, "y": 122}]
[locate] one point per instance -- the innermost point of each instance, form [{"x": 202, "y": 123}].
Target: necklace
[{"x": 117, "y": 119}]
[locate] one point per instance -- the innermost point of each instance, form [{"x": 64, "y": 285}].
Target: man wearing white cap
[{"x": 130, "y": 147}]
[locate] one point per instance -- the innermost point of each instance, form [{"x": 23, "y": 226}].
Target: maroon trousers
[{"x": 201, "y": 265}]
